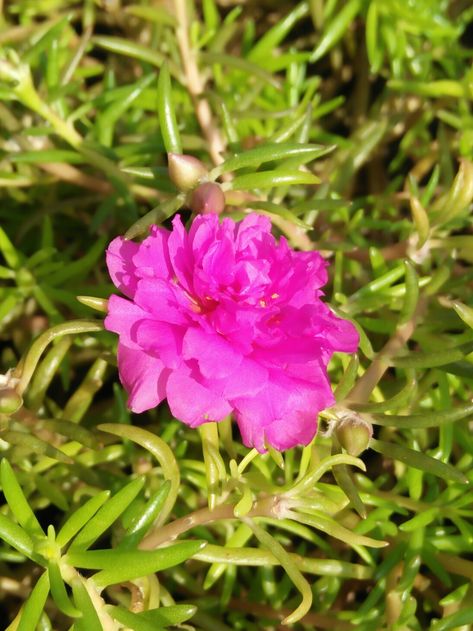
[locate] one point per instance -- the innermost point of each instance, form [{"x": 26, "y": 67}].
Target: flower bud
[
  {"x": 185, "y": 171},
  {"x": 208, "y": 198},
  {"x": 354, "y": 434},
  {"x": 10, "y": 401}
]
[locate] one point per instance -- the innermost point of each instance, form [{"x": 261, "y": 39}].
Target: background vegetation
[{"x": 349, "y": 123}]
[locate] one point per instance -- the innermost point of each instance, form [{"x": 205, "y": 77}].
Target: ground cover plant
[{"x": 347, "y": 124}]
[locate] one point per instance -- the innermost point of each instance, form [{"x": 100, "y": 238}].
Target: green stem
[
  {"x": 255, "y": 557},
  {"x": 289, "y": 566},
  {"x": 25, "y": 369},
  {"x": 266, "y": 507},
  {"x": 164, "y": 455}
]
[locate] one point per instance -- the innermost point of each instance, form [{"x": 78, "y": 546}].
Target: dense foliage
[{"x": 348, "y": 123}]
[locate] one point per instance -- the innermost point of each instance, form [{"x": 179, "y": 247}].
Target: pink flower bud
[
  {"x": 10, "y": 401},
  {"x": 208, "y": 198},
  {"x": 185, "y": 171},
  {"x": 354, "y": 434}
]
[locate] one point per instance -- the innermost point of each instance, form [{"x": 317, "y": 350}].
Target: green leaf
[
  {"x": 71, "y": 430},
  {"x": 172, "y": 615},
  {"x": 269, "y": 153},
  {"x": 47, "y": 156},
  {"x": 348, "y": 379},
  {"x": 418, "y": 460},
  {"x": 51, "y": 492},
  {"x": 156, "y": 14},
  {"x": 132, "y": 620},
  {"x": 16, "y": 537},
  {"x": 146, "y": 519},
  {"x": 457, "y": 620},
  {"x": 45, "y": 41},
  {"x": 326, "y": 524},
  {"x": 270, "y": 209},
  {"x": 271, "y": 39},
  {"x": 160, "y": 450},
  {"x": 432, "y": 360},
  {"x": 166, "y": 114},
  {"x": 334, "y": 31},
  {"x": 17, "y": 501},
  {"x": 153, "y": 619},
  {"x": 12, "y": 257},
  {"x": 269, "y": 179},
  {"x": 464, "y": 312},
  {"x": 421, "y": 520},
  {"x": 106, "y": 515},
  {"x": 429, "y": 419},
  {"x": 90, "y": 620},
  {"x": 119, "y": 566},
  {"x": 373, "y": 47},
  {"x": 307, "y": 482},
  {"x": 421, "y": 221},
  {"x": 128, "y": 48},
  {"x": 80, "y": 518},
  {"x": 80, "y": 267},
  {"x": 411, "y": 296},
  {"x": 35, "y": 445},
  {"x": 240, "y": 64},
  {"x": 401, "y": 399},
  {"x": 59, "y": 593},
  {"x": 33, "y": 607},
  {"x": 108, "y": 118}
]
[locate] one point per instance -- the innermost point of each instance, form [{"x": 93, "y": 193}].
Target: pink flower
[{"x": 223, "y": 319}]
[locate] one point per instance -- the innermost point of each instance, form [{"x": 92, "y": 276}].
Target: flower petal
[
  {"x": 284, "y": 414},
  {"x": 192, "y": 403},
  {"x": 120, "y": 265},
  {"x": 215, "y": 356},
  {"x": 143, "y": 376}
]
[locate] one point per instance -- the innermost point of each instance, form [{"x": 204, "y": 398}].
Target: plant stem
[
  {"x": 196, "y": 85},
  {"x": 266, "y": 507}
]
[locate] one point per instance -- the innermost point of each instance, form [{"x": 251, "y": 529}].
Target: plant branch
[{"x": 196, "y": 84}]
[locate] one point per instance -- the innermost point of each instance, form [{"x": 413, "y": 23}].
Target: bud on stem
[
  {"x": 10, "y": 401},
  {"x": 354, "y": 433},
  {"x": 208, "y": 198},
  {"x": 185, "y": 171}
]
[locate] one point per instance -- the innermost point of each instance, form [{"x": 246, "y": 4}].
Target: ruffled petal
[
  {"x": 143, "y": 376},
  {"x": 214, "y": 355},
  {"x": 192, "y": 403},
  {"x": 284, "y": 414},
  {"x": 122, "y": 318},
  {"x": 122, "y": 269},
  {"x": 226, "y": 318}
]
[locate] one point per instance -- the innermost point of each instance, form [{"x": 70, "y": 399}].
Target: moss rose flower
[{"x": 223, "y": 319}]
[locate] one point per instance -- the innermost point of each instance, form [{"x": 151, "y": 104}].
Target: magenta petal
[
  {"x": 120, "y": 265},
  {"x": 225, "y": 318},
  {"x": 143, "y": 376},
  {"x": 162, "y": 301},
  {"x": 192, "y": 402},
  {"x": 284, "y": 434},
  {"x": 284, "y": 414},
  {"x": 122, "y": 318},
  {"x": 162, "y": 339},
  {"x": 215, "y": 356},
  {"x": 152, "y": 259}
]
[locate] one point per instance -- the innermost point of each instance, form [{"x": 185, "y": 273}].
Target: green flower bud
[
  {"x": 10, "y": 401},
  {"x": 185, "y": 171},
  {"x": 354, "y": 434},
  {"x": 208, "y": 198}
]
